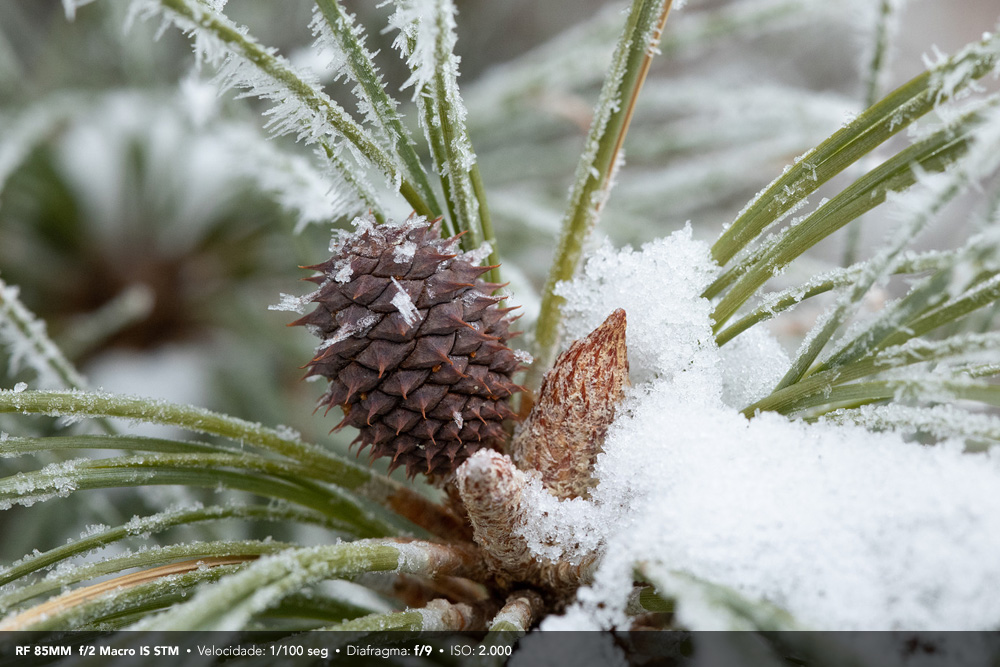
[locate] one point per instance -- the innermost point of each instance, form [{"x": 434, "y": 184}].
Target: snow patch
[
  {"x": 844, "y": 528},
  {"x": 404, "y": 304},
  {"x": 404, "y": 252}
]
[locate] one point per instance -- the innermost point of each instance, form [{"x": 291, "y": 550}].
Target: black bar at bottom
[{"x": 556, "y": 649}]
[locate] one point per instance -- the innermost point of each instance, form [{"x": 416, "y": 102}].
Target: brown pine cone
[{"x": 414, "y": 345}]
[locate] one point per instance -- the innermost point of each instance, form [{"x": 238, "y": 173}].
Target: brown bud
[
  {"x": 565, "y": 431},
  {"x": 493, "y": 492}
]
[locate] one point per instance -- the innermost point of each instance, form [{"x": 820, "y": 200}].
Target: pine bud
[{"x": 565, "y": 430}]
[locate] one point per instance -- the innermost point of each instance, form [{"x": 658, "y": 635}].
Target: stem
[
  {"x": 932, "y": 154},
  {"x": 153, "y": 524},
  {"x": 779, "y": 302},
  {"x": 266, "y": 582},
  {"x": 277, "y": 71},
  {"x": 50, "y": 482},
  {"x": 882, "y": 264},
  {"x": 487, "y": 224},
  {"x": 821, "y": 384},
  {"x": 150, "y": 557},
  {"x": 595, "y": 172},
  {"x": 873, "y": 76},
  {"x": 397, "y": 621},
  {"x": 131, "y": 592},
  {"x": 336, "y": 470},
  {"x": 415, "y": 189},
  {"x": 843, "y": 148}
]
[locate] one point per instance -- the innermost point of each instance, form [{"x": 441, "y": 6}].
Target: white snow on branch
[{"x": 844, "y": 528}]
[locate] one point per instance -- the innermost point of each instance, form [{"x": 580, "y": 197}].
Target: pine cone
[{"x": 414, "y": 345}]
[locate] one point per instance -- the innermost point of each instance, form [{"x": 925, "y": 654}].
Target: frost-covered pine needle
[
  {"x": 300, "y": 107},
  {"x": 427, "y": 40},
  {"x": 27, "y": 344}
]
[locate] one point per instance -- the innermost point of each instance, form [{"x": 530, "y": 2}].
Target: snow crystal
[
  {"x": 93, "y": 529},
  {"x": 411, "y": 558},
  {"x": 404, "y": 304},
  {"x": 294, "y": 304},
  {"x": 347, "y": 330},
  {"x": 844, "y": 528},
  {"x": 479, "y": 254},
  {"x": 404, "y": 252},
  {"x": 19, "y": 387},
  {"x": 288, "y": 433},
  {"x": 751, "y": 364},
  {"x": 344, "y": 273}
]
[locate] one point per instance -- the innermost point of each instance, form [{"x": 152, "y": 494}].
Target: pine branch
[
  {"x": 597, "y": 166},
  {"x": 334, "y": 469},
  {"x": 875, "y": 125}
]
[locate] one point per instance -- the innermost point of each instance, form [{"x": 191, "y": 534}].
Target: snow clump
[{"x": 844, "y": 528}]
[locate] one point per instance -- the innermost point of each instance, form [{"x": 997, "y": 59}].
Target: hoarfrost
[
  {"x": 27, "y": 343},
  {"x": 294, "y": 304},
  {"x": 844, "y": 528},
  {"x": 344, "y": 273},
  {"x": 479, "y": 254},
  {"x": 416, "y": 21},
  {"x": 19, "y": 387},
  {"x": 404, "y": 252},
  {"x": 427, "y": 40},
  {"x": 347, "y": 330}
]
